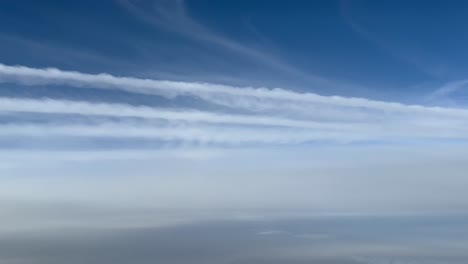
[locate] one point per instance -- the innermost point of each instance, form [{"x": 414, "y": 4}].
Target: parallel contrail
[
  {"x": 227, "y": 95},
  {"x": 359, "y": 118},
  {"x": 51, "y": 106}
]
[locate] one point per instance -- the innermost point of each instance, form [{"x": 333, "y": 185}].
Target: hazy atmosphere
[{"x": 235, "y": 132}]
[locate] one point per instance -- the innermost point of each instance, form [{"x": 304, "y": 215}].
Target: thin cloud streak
[
  {"x": 172, "y": 16},
  {"x": 448, "y": 89}
]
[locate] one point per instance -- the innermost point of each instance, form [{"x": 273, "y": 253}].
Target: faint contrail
[{"x": 179, "y": 133}]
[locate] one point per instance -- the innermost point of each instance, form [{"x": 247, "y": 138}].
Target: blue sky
[
  {"x": 400, "y": 51},
  {"x": 170, "y": 116}
]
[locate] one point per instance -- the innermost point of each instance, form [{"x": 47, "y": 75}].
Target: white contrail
[
  {"x": 191, "y": 117},
  {"x": 52, "y": 106},
  {"x": 228, "y": 95}
]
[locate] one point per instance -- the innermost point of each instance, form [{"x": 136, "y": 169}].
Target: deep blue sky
[{"x": 398, "y": 50}]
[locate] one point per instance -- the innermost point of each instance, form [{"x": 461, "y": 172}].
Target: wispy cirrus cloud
[{"x": 173, "y": 16}]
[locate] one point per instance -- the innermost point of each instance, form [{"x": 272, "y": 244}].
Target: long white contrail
[
  {"x": 227, "y": 95},
  {"x": 51, "y": 106}
]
